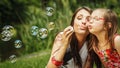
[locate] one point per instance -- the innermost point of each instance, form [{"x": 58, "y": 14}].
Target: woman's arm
[{"x": 60, "y": 45}]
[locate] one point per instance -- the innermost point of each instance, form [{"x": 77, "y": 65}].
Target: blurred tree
[
  {"x": 15, "y": 11},
  {"x": 12, "y": 11}
]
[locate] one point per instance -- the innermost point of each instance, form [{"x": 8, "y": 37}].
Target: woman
[
  {"x": 70, "y": 48},
  {"x": 105, "y": 40}
]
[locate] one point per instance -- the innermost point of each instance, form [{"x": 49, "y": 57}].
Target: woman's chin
[{"x": 83, "y": 32}]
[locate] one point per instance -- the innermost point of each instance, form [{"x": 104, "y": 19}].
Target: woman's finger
[{"x": 68, "y": 31}]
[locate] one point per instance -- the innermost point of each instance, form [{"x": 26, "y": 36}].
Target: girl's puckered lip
[{"x": 89, "y": 27}]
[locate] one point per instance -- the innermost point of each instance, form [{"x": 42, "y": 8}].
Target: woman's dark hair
[{"x": 74, "y": 42}]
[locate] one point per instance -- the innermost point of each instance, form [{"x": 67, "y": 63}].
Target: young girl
[{"x": 105, "y": 40}]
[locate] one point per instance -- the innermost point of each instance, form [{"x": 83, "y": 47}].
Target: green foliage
[
  {"x": 40, "y": 19},
  {"x": 12, "y": 11}
]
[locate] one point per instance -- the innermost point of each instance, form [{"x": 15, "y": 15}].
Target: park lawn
[{"x": 36, "y": 60}]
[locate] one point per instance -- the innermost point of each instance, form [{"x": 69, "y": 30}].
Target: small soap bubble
[
  {"x": 34, "y": 30},
  {"x": 51, "y": 26},
  {"x": 43, "y": 33},
  {"x": 18, "y": 43},
  {"x": 6, "y": 35},
  {"x": 49, "y": 11},
  {"x": 12, "y": 58}
]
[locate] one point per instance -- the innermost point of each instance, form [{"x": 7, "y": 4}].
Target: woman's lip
[{"x": 83, "y": 28}]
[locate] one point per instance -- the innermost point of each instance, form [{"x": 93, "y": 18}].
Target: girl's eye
[
  {"x": 96, "y": 18},
  {"x": 79, "y": 17}
]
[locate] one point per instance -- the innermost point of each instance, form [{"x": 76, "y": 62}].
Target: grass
[{"x": 34, "y": 60}]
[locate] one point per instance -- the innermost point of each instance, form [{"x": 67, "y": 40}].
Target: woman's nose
[{"x": 84, "y": 21}]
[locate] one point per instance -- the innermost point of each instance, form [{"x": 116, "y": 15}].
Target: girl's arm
[{"x": 117, "y": 43}]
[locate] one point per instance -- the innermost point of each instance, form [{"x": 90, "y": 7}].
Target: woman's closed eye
[{"x": 79, "y": 17}]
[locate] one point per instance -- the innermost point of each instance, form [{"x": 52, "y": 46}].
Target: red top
[{"x": 110, "y": 58}]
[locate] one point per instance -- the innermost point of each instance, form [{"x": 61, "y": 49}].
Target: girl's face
[
  {"x": 81, "y": 18},
  {"x": 96, "y": 23}
]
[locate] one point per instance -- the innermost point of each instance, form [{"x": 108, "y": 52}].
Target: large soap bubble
[
  {"x": 6, "y": 35},
  {"x": 43, "y": 33},
  {"x": 49, "y": 11}
]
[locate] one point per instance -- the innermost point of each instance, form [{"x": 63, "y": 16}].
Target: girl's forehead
[{"x": 98, "y": 13}]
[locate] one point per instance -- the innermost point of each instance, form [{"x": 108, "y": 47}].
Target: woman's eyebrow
[{"x": 80, "y": 14}]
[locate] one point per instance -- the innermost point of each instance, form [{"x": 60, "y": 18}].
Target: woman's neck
[{"x": 81, "y": 39}]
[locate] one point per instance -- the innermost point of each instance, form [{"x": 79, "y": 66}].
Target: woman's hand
[
  {"x": 60, "y": 45},
  {"x": 63, "y": 39}
]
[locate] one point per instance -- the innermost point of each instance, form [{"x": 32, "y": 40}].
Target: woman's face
[
  {"x": 81, "y": 18},
  {"x": 96, "y": 23}
]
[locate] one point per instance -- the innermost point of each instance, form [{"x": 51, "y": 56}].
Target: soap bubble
[
  {"x": 49, "y": 11},
  {"x": 12, "y": 58},
  {"x": 6, "y": 35},
  {"x": 43, "y": 33},
  {"x": 34, "y": 30},
  {"x": 9, "y": 28},
  {"x": 51, "y": 26},
  {"x": 18, "y": 43}
]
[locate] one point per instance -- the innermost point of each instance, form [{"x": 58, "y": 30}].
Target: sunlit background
[{"x": 28, "y": 28}]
